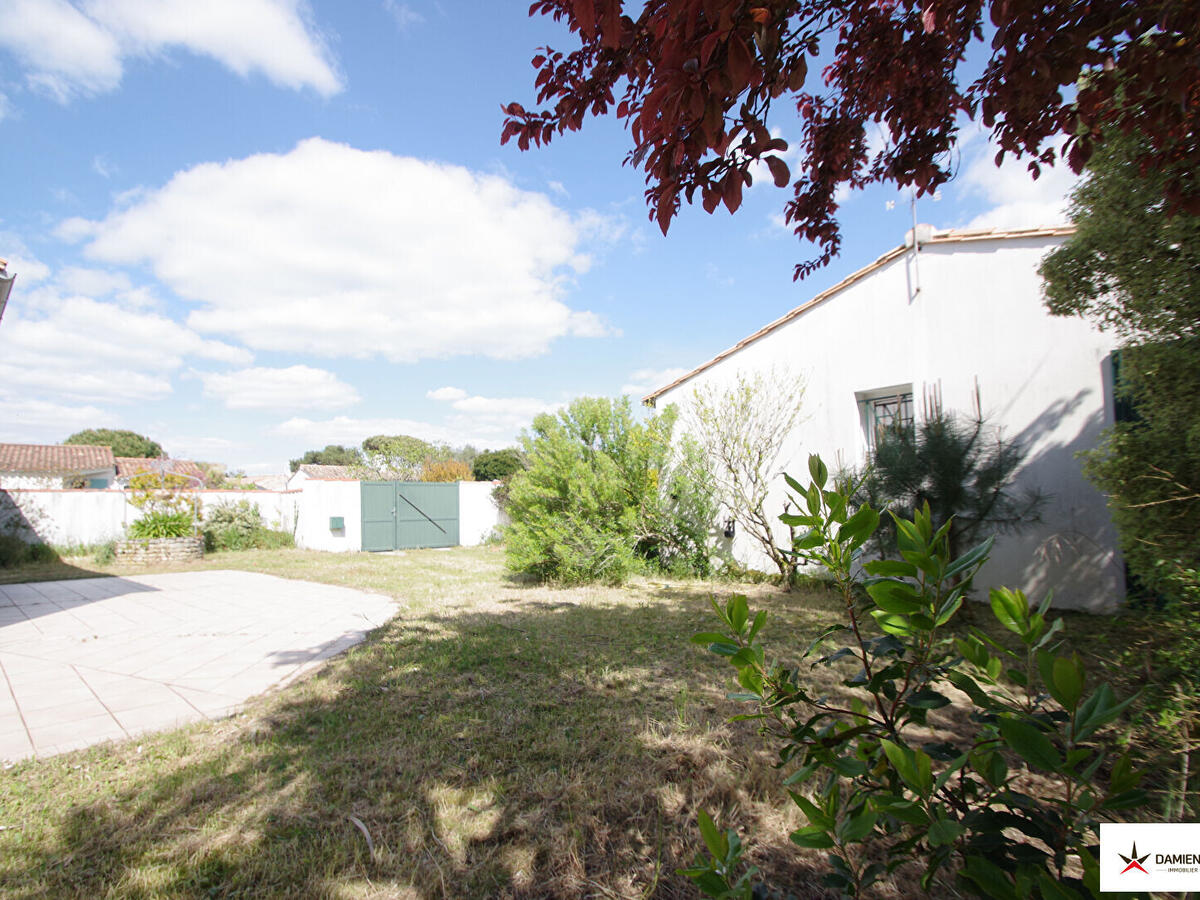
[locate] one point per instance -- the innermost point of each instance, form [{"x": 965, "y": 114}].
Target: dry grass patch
[{"x": 496, "y": 739}]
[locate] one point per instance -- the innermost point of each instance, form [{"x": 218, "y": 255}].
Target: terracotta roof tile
[
  {"x": 128, "y": 466},
  {"x": 328, "y": 473},
  {"x": 54, "y": 459}
]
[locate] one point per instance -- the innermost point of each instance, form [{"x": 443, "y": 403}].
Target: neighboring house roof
[
  {"x": 271, "y": 482},
  {"x": 328, "y": 473},
  {"x": 128, "y": 466},
  {"x": 927, "y": 237},
  {"x": 54, "y": 459}
]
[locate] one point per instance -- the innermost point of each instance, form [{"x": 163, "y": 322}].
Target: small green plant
[
  {"x": 106, "y": 553},
  {"x": 163, "y": 525},
  {"x": 872, "y": 768}
]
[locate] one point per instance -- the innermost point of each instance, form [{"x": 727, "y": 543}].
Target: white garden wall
[
  {"x": 977, "y": 318},
  {"x": 66, "y": 516},
  {"x": 323, "y": 500},
  {"x": 478, "y": 514},
  {"x": 71, "y": 517}
]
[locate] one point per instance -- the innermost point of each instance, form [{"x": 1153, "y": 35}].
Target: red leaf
[
  {"x": 760, "y": 15},
  {"x": 929, "y": 19},
  {"x": 779, "y": 171},
  {"x": 741, "y": 64},
  {"x": 731, "y": 191},
  {"x": 585, "y": 17},
  {"x": 538, "y": 61}
]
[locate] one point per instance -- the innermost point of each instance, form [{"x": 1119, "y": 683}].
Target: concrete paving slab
[{"x": 106, "y": 658}]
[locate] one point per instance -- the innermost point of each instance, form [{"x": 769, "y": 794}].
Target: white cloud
[
  {"x": 295, "y": 387},
  {"x": 21, "y": 262},
  {"x": 1014, "y": 198},
  {"x": 82, "y": 349},
  {"x": 103, "y": 167},
  {"x": 69, "y": 51},
  {"x": 93, "y": 282},
  {"x": 491, "y": 415},
  {"x": 335, "y": 251},
  {"x": 404, "y": 15},
  {"x": 645, "y": 381},
  {"x": 65, "y": 52},
  {"x": 37, "y": 421},
  {"x": 480, "y": 421}
]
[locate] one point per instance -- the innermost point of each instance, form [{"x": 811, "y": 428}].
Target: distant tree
[
  {"x": 1135, "y": 269},
  {"x": 122, "y": 442},
  {"x": 398, "y": 457},
  {"x": 445, "y": 470},
  {"x": 740, "y": 430},
  {"x": 332, "y": 455},
  {"x": 496, "y": 465},
  {"x": 699, "y": 84}
]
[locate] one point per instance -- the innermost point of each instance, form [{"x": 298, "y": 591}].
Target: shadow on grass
[{"x": 542, "y": 748}]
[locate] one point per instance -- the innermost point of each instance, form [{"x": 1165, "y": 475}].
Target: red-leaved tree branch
[{"x": 696, "y": 81}]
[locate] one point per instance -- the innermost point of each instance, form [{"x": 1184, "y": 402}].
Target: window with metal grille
[{"x": 891, "y": 412}]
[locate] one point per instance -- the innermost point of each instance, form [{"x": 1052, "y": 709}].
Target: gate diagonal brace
[{"x": 422, "y": 512}]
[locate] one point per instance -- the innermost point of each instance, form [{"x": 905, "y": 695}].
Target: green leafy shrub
[
  {"x": 604, "y": 497},
  {"x": 105, "y": 553},
  {"x": 17, "y": 552},
  {"x": 163, "y": 525},
  {"x": 880, "y": 782},
  {"x": 495, "y": 465},
  {"x": 240, "y": 526}
]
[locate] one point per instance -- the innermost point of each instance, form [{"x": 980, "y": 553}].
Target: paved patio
[{"x": 108, "y": 658}]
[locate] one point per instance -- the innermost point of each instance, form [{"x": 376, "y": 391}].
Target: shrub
[
  {"x": 163, "y": 525},
  {"x": 17, "y": 552},
  {"x": 495, "y": 465},
  {"x": 239, "y": 526},
  {"x": 445, "y": 470},
  {"x": 866, "y": 769},
  {"x": 604, "y": 497},
  {"x": 963, "y": 472}
]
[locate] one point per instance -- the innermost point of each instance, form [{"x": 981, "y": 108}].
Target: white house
[
  {"x": 960, "y": 312},
  {"x": 56, "y": 466},
  {"x": 313, "y": 471}
]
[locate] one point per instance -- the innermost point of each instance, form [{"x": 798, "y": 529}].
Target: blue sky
[{"x": 247, "y": 228}]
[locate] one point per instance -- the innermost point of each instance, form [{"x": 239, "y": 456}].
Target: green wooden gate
[{"x": 405, "y": 515}]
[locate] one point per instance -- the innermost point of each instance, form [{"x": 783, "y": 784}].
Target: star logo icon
[{"x": 1133, "y": 861}]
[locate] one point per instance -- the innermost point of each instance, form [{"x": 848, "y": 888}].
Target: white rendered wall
[
  {"x": 69, "y": 517},
  {"x": 478, "y": 515},
  {"x": 978, "y": 315},
  {"x": 323, "y": 500},
  {"x": 87, "y": 516}
]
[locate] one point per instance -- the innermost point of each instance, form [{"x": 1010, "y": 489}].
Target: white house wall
[{"x": 977, "y": 317}]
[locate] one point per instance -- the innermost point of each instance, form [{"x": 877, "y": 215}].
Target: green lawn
[{"x": 495, "y": 739}]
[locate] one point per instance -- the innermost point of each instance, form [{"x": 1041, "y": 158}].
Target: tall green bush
[
  {"x": 1133, "y": 266},
  {"x": 880, "y": 784},
  {"x": 604, "y": 496}
]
